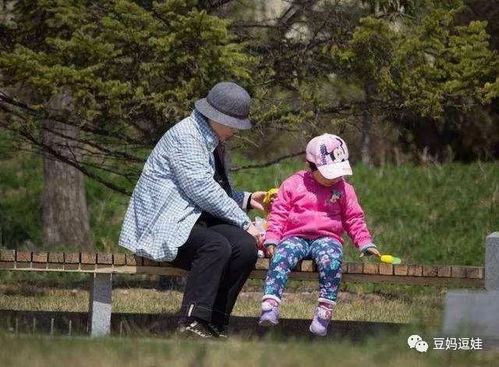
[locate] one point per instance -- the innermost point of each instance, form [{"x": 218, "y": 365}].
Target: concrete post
[
  {"x": 475, "y": 313},
  {"x": 492, "y": 262},
  {"x": 472, "y": 313},
  {"x": 100, "y": 305}
]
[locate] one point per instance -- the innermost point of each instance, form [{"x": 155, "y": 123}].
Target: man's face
[{"x": 223, "y": 132}]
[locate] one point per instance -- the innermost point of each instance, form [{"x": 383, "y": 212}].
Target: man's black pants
[{"x": 220, "y": 257}]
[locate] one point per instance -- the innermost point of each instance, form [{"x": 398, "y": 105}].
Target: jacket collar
[{"x": 207, "y": 132}]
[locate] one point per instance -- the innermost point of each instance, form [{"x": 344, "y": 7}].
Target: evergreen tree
[
  {"x": 131, "y": 72},
  {"x": 95, "y": 84}
]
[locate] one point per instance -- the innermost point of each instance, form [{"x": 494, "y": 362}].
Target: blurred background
[{"x": 88, "y": 87}]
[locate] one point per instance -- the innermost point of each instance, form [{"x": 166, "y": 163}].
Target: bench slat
[
  {"x": 413, "y": 280},
  {"x": 7, "y": 264},
  {"x": 262, "y": 264},
  {"x": 256, "y": 274},
  {"x": 133, "y": 260},
  {"x": 400, "y": 269},
  {"x": 85, "y": 267},
  {"x": 23, "y": 256},
  {"x": 430, "y": 271},
  {"x": 306, "y": 269},
  {"x": 8, "y": 255},
  {"x": 444, "y": 271},
  {"x": 55, "y": 266},
  {"x": 119, "y": 259},
  {"x": 40, "y": 257},
  {"x": 475, "y": 272},
  {"x": 39, "y": 265},
  {"x": 56, "y": 257},
  {"x": 88, "y": 258},
  {"x": 149, "y": 262},
  {"x": 386, "y": 269},
  {"x": 458, "y": 271},
  {"x": 355, "y": 268},
  {"x": 104, "y": 258},
  {"x": 370, "y": 268},
  {"x": 72, "y": 257},
  {"x": 307, "y": 265},
  {"x": 415, "y": 270}
]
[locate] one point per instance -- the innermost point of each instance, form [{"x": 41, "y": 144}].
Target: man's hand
[
  {"x": 257, "y": 200},
  {"x": 252, "y": 230}
]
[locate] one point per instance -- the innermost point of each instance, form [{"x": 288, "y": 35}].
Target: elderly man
[{"x": 185, "y": 210}]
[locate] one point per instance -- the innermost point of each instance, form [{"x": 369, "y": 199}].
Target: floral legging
[{"x": 326, "y": 253}]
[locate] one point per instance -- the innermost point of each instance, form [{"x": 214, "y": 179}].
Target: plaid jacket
[{"x": 175, "y": 186}]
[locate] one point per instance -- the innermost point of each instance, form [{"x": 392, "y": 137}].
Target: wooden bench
[{"x": 101, "y": 266}]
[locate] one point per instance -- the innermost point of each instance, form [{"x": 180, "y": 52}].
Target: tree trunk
[{"x": 65, "y": 212}]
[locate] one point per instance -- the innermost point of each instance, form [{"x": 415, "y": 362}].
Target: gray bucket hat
[{"x": 228, "y": 104}]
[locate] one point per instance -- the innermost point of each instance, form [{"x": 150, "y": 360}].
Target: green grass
[
  {"x": 20, "y": 193},
  {"x": 387, "y": 351},
  {"x": 432, "y": 214},
  {"x": 419, "y": 306},
  {"x": 21, "y": 185},
  {"x": 436, "y": 214},
  {"x": 355, "y": 302}
]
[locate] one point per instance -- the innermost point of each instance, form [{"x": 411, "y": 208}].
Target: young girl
[{"x": 311, "y": 212}]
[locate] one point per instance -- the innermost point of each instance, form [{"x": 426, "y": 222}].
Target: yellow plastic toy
[
  {"x": 267, "y": 199},
  {"x": 389, "y": 259}
]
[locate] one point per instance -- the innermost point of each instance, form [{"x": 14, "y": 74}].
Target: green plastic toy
[{"x": 389, "y": 259}]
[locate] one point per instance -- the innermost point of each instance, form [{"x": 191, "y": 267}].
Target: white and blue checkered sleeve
[{"x": 189, "y": 162}]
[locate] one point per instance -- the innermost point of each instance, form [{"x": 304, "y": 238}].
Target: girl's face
[{"x": 319, "y": 178}]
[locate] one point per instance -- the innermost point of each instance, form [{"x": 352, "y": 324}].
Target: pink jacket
[{"x": 304, "y": 208}]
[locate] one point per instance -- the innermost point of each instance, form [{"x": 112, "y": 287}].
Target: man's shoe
[
  {"x": 218, "y": 331},
  {"x": 195, "y": 329}
]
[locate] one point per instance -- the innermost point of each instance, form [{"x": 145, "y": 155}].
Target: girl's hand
[
  {"x": 372, "y": 251},
  {"x": 270, "y": 250},
  {"x": 257, "y": 200}
]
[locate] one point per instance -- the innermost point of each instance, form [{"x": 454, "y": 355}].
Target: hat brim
[
  {"x": 207, "y": 110},
  {"x": 335, "y": 170}
]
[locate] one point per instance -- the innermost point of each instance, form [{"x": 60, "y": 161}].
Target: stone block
[
  {"x": 472, "y": 313},
  {"x": 492, "y": 262}
]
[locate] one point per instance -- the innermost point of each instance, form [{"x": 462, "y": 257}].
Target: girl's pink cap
[{"x": 330, "y": 154}]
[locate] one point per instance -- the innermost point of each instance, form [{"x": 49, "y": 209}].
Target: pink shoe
[
  {"x": 270, "y": 313},
  {"x": 320, "y": 323}
]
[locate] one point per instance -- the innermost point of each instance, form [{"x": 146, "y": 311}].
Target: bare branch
[
  {"x": 57, "y": 155},
  {"x": 212, "y": 4},
  {"x": 46, "y": 115},
  {"x": 267, "y": 164},
  {"x": 68, "y": 161}
]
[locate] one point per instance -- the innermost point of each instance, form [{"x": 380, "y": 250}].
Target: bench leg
[{"x": 100, "y": 305}]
